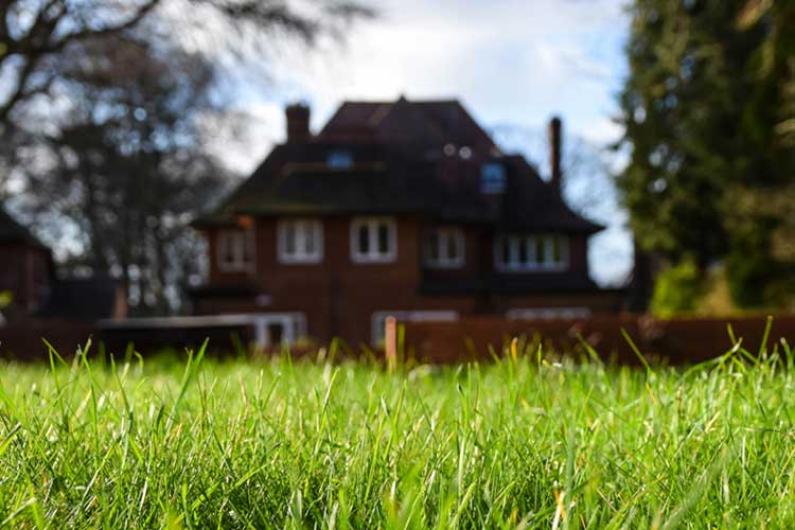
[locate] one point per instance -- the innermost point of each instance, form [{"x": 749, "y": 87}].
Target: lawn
[{"x": 520, "y": 443}]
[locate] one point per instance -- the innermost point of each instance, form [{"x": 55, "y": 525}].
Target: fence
[
  {"x": 24, "y": 340},
  {"x": 675, "y": 341}
]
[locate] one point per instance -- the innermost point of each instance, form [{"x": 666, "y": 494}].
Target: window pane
[
  {"x": 541, "y": 250},
  {"x": 383, "y": 238},
  {"x": 309, "y": 238},
  {"x": 513, "y": 243},
  {"x": 505, "y": 250},
  {"x": 289, "y": 239},
  {"x": 452, "y": 247},
  {"x": 523, "y": 255},
  {"x": 557, "y": 249},
  {"x": 237, "y": 247},
  {"x": 433, "y": 246},
  {"x": 364, "y": 239},
  {"x": 227, "y": 253}
]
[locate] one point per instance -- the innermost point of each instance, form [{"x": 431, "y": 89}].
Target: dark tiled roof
[
  {"x": 427, "y": 123},
  {"x": 13, "y": 232},
  {"x": 407, "y": 158}
]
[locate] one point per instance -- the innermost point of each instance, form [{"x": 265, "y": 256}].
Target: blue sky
[{"x": 513, "y": 63}]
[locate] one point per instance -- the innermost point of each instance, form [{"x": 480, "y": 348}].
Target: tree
[
  {"x": 106, "y": 119},
  {"x": 128, "y": 167},
  {"x": 702, "y": 119},
  {"x": 36, "y": 34}
]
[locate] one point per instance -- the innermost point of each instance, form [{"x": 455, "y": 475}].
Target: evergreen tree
[{"x": 703, "y": 107}]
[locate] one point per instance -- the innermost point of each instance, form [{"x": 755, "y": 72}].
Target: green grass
[{"x": 520, "y": 443}]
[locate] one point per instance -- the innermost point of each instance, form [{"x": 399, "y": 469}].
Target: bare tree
[
  {"x": 127, "y": 165},
  {"x": 34, "y": 34}
]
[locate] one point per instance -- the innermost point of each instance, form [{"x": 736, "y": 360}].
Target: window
[
  {"x": 519, "y": 253},
  {"x": 300, "y": 241},
  {"x": 378, "y": 320},
  {"x": 275, "y": 329},
  {"x": 548, "y": 313},
  {"x": 373, "y": 240},
  {"x": 492, "y": 178},
  {"x": 339, "y": 160},
  {"x": 444, "y": 248},
  {"x": 235, "y": 250}
]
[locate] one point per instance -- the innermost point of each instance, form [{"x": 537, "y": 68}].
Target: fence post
[{"x": 390, "y": 342}]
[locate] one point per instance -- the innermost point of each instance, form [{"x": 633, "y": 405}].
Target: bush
[{"x": 677, "y": 289}]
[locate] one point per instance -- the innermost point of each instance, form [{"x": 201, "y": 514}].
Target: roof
[
  {"x": 422, "y": 158},
  {"x": 432, "y": 123},
  {"x": 11, "y": 231}
]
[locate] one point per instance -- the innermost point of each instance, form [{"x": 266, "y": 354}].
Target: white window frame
[
  {"x": 532, "y": 264},
  {"x": 548, "y": 313},
  {"x": 373, "y": 255},
  {"x": 301, "y": 228},
  {"x": 239, "y": 239},
  {"x": 293, "y": 323},
  {"x": 378, "y": 320},
  {"x": 443, "y": 236}
]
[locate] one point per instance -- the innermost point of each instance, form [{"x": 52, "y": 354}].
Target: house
[
  {"x": 404, "y": 208},
  {"x": 26, "y": 267},
  {"x": 27, "y": 272}
]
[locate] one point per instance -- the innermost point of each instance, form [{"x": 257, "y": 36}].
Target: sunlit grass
[{"x": 518, "y": 443}]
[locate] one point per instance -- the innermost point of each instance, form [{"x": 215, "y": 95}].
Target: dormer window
[
  {"x": 339, "y": 159},
  {"x": 492, "y": 178}
]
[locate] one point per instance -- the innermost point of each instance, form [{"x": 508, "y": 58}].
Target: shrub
[{"x": 677, "y": 289}]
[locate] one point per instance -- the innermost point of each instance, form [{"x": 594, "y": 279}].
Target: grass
[{"x": 520, "y": 443}]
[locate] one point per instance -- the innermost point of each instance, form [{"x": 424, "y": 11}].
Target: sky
[{"x": 513, "y": 63}]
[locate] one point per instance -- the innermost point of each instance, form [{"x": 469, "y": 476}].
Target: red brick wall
[
  {"x": 339, "y": 297},
  {"x": 25, "y": 271}
]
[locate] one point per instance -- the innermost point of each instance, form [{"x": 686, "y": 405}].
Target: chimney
[
  {"x": 555, "y": 148},
  {"x": 297, "y": 116}
]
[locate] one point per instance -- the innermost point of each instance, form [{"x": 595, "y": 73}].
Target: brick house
[
  {"x": 26, "y": 266},
  {"x": 404, "y": 208},
  {"x": 27, "y": 271}
]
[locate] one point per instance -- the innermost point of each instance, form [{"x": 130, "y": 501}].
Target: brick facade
[
  {"x": 421, "y": 165},
  {"x": 25, "y": 272},
  {"x": 339, "y": 297}
]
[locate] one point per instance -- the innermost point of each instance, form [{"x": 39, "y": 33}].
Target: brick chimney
[
  {"x": 297, "y": 116},
  {"x": 555, "y": 149}
]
